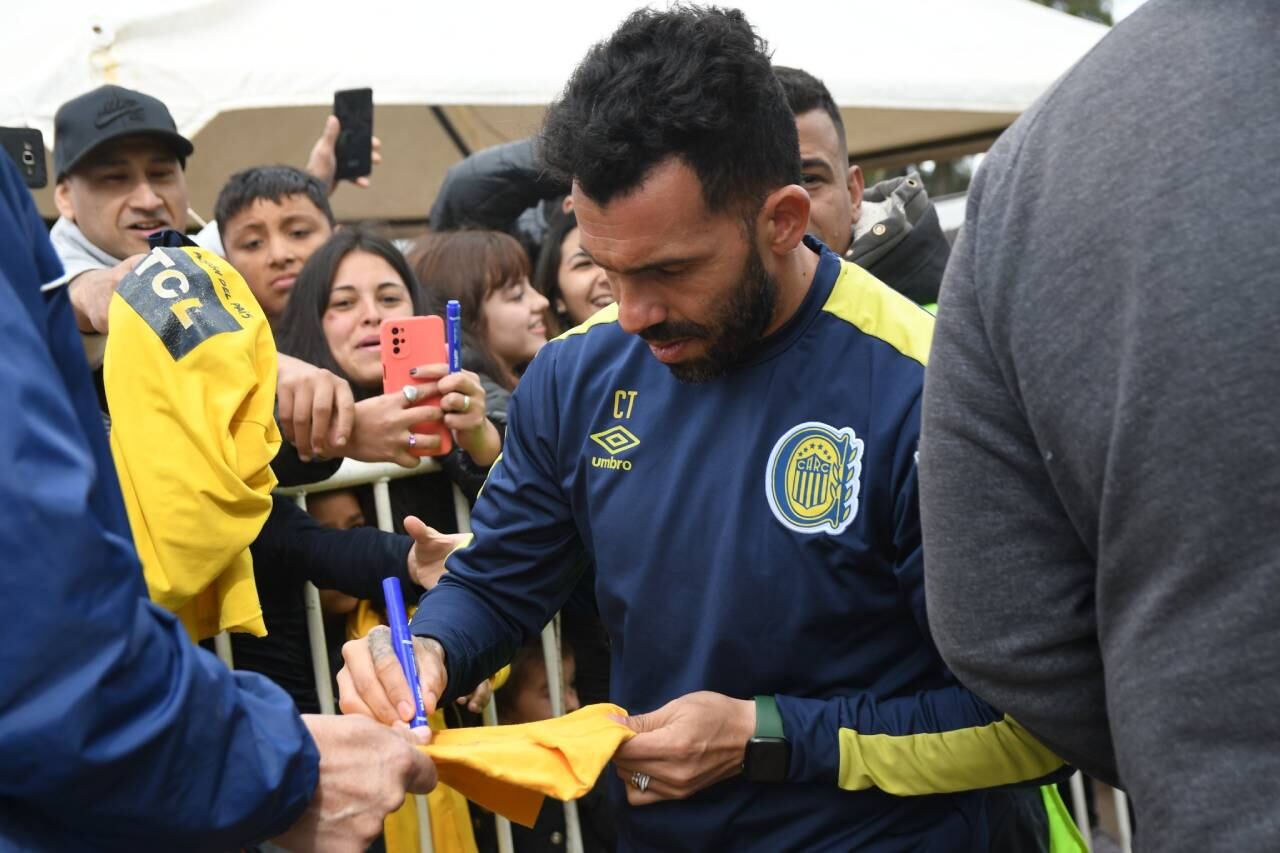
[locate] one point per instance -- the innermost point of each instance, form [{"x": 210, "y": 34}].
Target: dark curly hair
[
  {"x": 694, "y": 83},
  {"x": 806, "y": 93}
]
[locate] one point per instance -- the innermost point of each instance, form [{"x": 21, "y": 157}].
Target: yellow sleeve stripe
[
  {"x": 863, "y": 301},
  {"x": 1001, "y": 753},
  {"x": 608, "y": 314},
  {"x": 492, "y": 468}
]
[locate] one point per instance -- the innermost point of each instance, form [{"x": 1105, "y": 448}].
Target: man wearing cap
[{"x": 119, "y": 162}]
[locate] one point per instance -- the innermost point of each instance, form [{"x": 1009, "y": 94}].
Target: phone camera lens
[
  {"x": 394, "y": 330},
  {"x": 395, "y": 341},
  {"x": 396, "y": 350},
  {"x": 28, "y": 158}
]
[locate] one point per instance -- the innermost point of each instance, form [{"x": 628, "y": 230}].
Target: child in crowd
[
  {"x": 526, "y": 698},
  {"x": 272, "y": 218}
]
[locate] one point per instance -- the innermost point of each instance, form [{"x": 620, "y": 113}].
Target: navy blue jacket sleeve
[
  {"x": 112, "y": 723},
  {"x": 351, "y": 561},
  {"x": 491, "y": 188},
  {"x": 938, "y": 740},
  {"x": 524, "y": 559}
]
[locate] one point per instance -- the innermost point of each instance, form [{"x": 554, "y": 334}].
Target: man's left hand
[{"x": 686, "y": 745}]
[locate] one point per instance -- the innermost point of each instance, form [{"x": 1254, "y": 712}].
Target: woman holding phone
[{"x": 347, "y": 288}]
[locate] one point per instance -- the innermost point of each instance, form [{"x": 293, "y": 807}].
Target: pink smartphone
[{"x": 408, "y": 342}]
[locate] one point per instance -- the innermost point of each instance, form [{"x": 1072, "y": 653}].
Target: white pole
[
  {"x": 462, "y": 515},
  {"x": 222, "y": 645},
  {"x": 315, "y": 637},
  {"x": 1122, "y": 820},
  {"x": 1080, "y": 809},
  {"x": 382, "y": 506},
  {"x": 555, "y": 677},
  {"x": 506, "y": 844}
]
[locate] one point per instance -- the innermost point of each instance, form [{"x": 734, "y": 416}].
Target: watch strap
[{"x": 768, "y": 719}]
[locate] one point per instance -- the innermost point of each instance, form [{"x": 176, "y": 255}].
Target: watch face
[{"x": 767, "y": 759}]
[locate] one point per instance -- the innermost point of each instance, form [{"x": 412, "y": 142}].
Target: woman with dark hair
[
  {"x": 343, "y": 293},
  {"x": 503, "y": 318},
  {"x": 567, "y": 276}
]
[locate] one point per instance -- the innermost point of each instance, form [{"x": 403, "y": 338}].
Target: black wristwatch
[{"x": 768, "y": 755}]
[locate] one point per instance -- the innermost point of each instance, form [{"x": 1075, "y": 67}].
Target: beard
[{"x": 736, "y": 328}]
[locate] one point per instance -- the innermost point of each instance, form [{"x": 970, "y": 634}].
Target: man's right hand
[
  {"x": 373, "y": 685},
  {"x": 365, "y": 771},
  {"x": 90, "y": 294}
]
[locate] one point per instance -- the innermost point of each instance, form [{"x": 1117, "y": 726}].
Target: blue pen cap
[{"x": 453, "y": 334}]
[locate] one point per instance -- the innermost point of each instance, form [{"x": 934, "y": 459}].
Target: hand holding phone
[
  {"x": 405, "y": 343},
  {"x": 354, "y": 149},
  {"x": 26, "y": 146}
]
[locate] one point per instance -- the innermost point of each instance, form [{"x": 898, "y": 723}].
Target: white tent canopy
[{"x": 250, "y": 81}]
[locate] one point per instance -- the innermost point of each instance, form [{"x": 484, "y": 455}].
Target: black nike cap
[{"x": 110, "y": 112}]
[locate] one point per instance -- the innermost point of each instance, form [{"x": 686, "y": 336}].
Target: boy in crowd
[
  {"x": 526, "y": 698},
  {"x": 271, "y": 219}
]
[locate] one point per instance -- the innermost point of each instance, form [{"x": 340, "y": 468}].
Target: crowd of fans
[
  {"x": 502, "y": 240},
  {"x": 899, "y": 709}
]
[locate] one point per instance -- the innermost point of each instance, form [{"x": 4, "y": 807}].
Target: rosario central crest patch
[{"x": 813, "y": 478}]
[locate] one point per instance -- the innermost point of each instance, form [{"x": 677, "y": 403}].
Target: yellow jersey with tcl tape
[{"x": 190, "y": 373}]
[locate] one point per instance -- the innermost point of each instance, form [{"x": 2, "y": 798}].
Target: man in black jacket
[{"x": 891, "y": 229}]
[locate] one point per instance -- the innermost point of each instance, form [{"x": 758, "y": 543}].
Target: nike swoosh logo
[{"x": 107, "y": 118}]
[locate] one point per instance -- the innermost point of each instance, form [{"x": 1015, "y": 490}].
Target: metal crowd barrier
[
  {"x": 352, "y": 474},
  {"x": 1080, "y": 812}
]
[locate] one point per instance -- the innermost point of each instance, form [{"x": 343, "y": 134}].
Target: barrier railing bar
[
  {"x": 315, "y": 637},
  {"x": 551, "y": 657},
  {"x": 1122, "y": 820},
  {"x": 462, "y": 514},
  {"x": 382, "y": 508},
  {"x": 1080, "y": 809},
  {"x": 222, "y": 645}
]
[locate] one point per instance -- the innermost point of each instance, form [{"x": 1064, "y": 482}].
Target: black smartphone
[
  {"x": 26, "y": 146},
  {"x": 354, "y": 109}
]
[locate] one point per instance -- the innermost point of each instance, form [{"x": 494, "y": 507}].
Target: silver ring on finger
[
  {"x": 413, "y": 440},
  {"x": 410, "y": 392},
  {"x": 640, "y": 781},
  {"x": 466, "y": 403}
]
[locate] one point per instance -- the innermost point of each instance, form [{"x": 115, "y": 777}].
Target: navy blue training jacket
[
  {"x": 116, "y": 732},
  {"x": 757, "y": 534}
]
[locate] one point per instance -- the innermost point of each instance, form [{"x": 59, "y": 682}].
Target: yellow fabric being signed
[{"x": 509, "y": 769}]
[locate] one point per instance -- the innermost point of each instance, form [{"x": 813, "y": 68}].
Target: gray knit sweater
[{"x": 1100, "y": 461}]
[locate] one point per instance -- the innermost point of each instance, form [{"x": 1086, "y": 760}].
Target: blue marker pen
[
  {"x": 453, "y": 334},
  {"x": 402, "y": 642}
]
